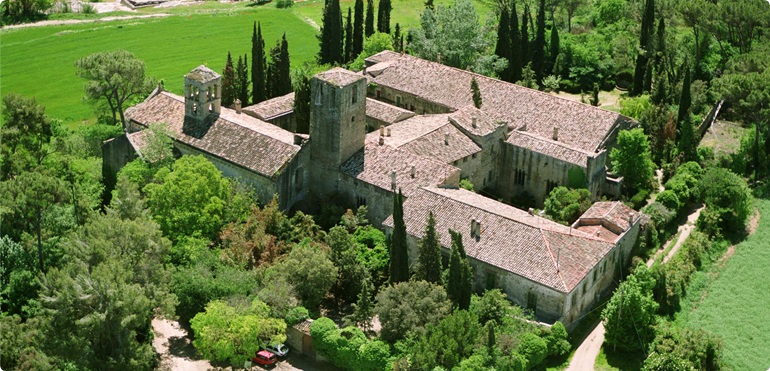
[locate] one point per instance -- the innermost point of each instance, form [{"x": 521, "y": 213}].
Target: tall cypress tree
[
  {"x": 302, "y": 99},
  {"x": 476, "y": 93},
  {"x": 516, "y": 51},
  {"x": 242, "y": 76},
  {"x": 429, "y": 254},
  {"x": 460, "y": 281},
  {"x": 538, "y": 47},
  {"x": 383, "y": 16},
  {"x": 685, "y": 99},
  {"x": 399, "y": 257},
  {"x": 525, "y": 55},
  {"x": 503, "y": 46},
  {"x": 228, "y": 82},
  {"x": 398, "y": 44},
  {"x": 258, "y": 65},
  {"x": 660, "y": 89},
  {"x": 644, "y": 44},
  {"x": 349, "y": 37},
  {"x": 358, "y": 28},
  {"x": 553, "y": 47},
  {"x": 331, "y": 51},
  {"x": 369, "y": 21},
  {"x": 279, "y": 69}
]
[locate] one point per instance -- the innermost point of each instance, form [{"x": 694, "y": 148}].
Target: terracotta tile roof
[
  {"x": 511, "y": 239},
  {"x": 385, "y": 112},
  {"x": 555, "y": 149},
  {"x": 375, "y": 164},
  {"x": 238, "y": 138},
  {"x": 304, "y": 326},
  {"x": 613, "y": 215},
  {"x": 338, "y": 76},
  {"x": 202, "y": 74},
  {"x": 383, "y": 56},
  {"x": 138, "y": 140},
  {"x": 271, "y": 108},
  {"x": 484, "y": 123},
  {"x": 581, "y": 126}
]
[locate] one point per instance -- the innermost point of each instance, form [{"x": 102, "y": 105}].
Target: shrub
[
  {"x": 533, "y": 348},
  {"x": 281, "y": 4},
  {"x": 669, "y": 199},
  {"x": 466, "y": 184},
  {"x": 558, "y": 345},
  {"x": 639, "y": 198},
  {"x": 659, "y": 214},
  {"x": 728, "y": 195},
  {"x": 87, "y": 9},
  {"x": 566, "y": 205}
]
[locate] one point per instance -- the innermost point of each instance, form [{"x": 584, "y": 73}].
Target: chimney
[
  {"x": 382, "y": 140},
  {"x": 531, "y": 211},
  {"x": 478, "y": 228},
  {"x": 446, "y": 138},
  {"x": 387, "y": 132},
  {"x": 298, "y": 139},
  {"x": 412, "y": 171},
  {"x": 238, "y": 106},
  {"x": 555, "y": 133},
  {"x": 473, "y": 228},
  {"x": 363, "y": 71},
  {"x": 382, "y": 130},
  {"x": 393, "y": 181},
  {"x": 473, "y": 121},
  {"x": 630, "y": 220},
  {"x": 438, "y": 58}
]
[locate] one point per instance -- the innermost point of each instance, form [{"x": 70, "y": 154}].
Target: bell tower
[{"x": 202, "y": 91}]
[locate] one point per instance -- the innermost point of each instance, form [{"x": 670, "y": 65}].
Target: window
[
  {"x": 519, "y": 176},
  {"x": 298, "y": 178},
  {"x": 353, "y": 119},
  {"x": 585, "y": 286},
  {"x": 354, "y": 99},
  {"x": 398, "y": 100},
  {"x": 574, "y": 298},
  {"x": 604, "y": 266},
  {"x": 473, "y": 155},
  {"x": 454, "y": 163},
  {"x": 378, "y": 93},
  {"x": 594, "y": 275},
  {"x": 550, "y": 185},
  {"x": 360, "y": 201},
  {"x": 532, "y": 300}
]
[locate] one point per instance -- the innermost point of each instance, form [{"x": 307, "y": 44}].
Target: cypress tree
[
  {"x": 358, "y": 29},
  {"x": 279, "y": 69},
  {"x": 302, "y": 100},
  {"x": 687, "y": 139},
  {"x": 476, "y": 93},
  {"x": 369, "y": 21},
  {"x": 258, "y": 65},
  {"x": 553, "y": 47},
  {"x": 397, "y": 39},
  {"x": 525, "y": 56},
  {"x": 516, "y": 51},
  {"x": 660, "y": 46},
  {"x": 363, "y": 309},
  {"x": 331, "y": 51},
  {"x": 242, "y": 80},
  {"x": 660, "y": 89},
  {"x": 429, "y": 254},
  {"x": 503, "y": 46},
  {"x": 538, "y": 48},
  {"x": 685, "y": 99},
  {"x": 460, "y": 281},
  {"x": 595, "y": 95},
  {"x": 228, "y": 83},
  {"x": 383, "y": 16},
  {"x": 644, "y": 44},
  {"x": 349, "y": 37},
  {"x": 399, "y": 257}
]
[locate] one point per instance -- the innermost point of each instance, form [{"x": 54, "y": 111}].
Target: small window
[
  {"x": 574, "y": 298},
  {"x": 454, "y": 163},
  {"x": 594, "y": 275},
  {"x": 353, "y": 119},
  {"x": 585, "y": 287},
  {"x": 604, "y": 266},
  {"x": 378, "y": 93},
  {"x": 398, "y": 101},
  {"x": 354, "y": 99},
  {"x": 473, "y": 155},
  {"x": 360, "y": 201},
  {"x": 519, "y": 176}
]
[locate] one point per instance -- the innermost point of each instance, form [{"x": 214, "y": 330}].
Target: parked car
[
  {"x": 279, "y": 350},
  {"x": 264, "y": 358}
]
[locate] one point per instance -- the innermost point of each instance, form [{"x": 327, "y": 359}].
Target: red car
[{"x": 265, "y": 358}]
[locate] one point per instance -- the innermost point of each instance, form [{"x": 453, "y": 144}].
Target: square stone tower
[
  {"x": 337, "y": 124},
  {"x": 202, "y": 91}
]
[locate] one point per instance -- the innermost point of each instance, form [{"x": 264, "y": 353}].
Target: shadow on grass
[{"x": 617, "y": 360}]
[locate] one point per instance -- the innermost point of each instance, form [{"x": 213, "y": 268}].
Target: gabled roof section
[
  {"x": 383, "y": 56},
  {"x": 202, "y": 74},
  {"x": 386, "y": 112},
  {"x": 608, "y": 219},
  {"x": 273, "y": 108},
  {"x": 484, "y": 124},
  {"x": 527, "y": 245},
  {"x": 551, "y": 148},
  {"x": 237, "y": 138},
  {"x": 375, "y": 164},
  {"x": 338, "y": 76},
  {"x": 581, "y": 126}
]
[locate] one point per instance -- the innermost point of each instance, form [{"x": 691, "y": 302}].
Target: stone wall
[
  {"x": 116, "y": 153},
  {"x": 379, "y": 202}
]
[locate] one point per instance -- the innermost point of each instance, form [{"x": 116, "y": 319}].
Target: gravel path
[{"x": 76, "y": 21}]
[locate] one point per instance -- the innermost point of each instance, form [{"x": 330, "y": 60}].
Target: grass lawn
[
  {"x": 732, "y": 300},
  {"x": 39, "y": 61}
]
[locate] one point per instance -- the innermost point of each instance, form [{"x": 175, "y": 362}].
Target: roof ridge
[
  {"x": 556, "y": 142},
  {"x": 553, "y": 259}
]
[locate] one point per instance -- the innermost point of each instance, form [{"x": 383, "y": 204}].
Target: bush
[
  {"x": 729, "y": 196},
  {"x": 281, "y": 4},
  {"x": 669, "y": 199},
  {"x": 639, "y": 199},
  {"x": 466, "y": 184},
  {"x": 659, "y": 214},
  {"x": 348, "y": 348},
  {"x": 558, "y": 345},
  {"x": 566, "y": 205},
  {"x": 533, "y": 348}
]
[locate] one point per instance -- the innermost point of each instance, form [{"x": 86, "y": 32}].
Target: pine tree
[
  {"x": 644, "y": 44},
  {"x": 538, "y": 47},
  {"x": 553, "y": 47},
  {"x": 524, "y": 49},
  {"x": 349, "y": 37},
  {"x": 476, "y": 93},
  {"x": 258, "y": 66},
  {"x": 397, "y": 39},
  {"x": 331, "y": 51},
  {"x": 242, "y": 78},
  {"x": 685, "y": 99},
  {"x": 358, "y": 29},
  {"x": 383, "y": 16},
  {"x": 660, "y": 89},
  {"x": 516, "y": 44},
  {"x": 460, "y": 281},
  {"x": 503, "y": 46},
  {"x": 228, "y": 83},
  {"x": 363, "y": 309},
  {"x": 399, "y": 257},
  {"x": 429, "y": 254},
  {"x": 369, "y": 21}
]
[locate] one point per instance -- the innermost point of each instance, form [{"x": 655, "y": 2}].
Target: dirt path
[
  {"x": 172, "y": 343},
  {"x": 586, "y": 353},
  {"x": 685, "y": 230},
  {"x": 76, "y": 21}
]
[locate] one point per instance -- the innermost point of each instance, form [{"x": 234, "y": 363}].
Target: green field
[
  {"x": 733, "y": 301},
  {"x": 39, "y": 61}
]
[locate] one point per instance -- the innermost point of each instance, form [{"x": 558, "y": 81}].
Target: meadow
[
  {"x": 731, "y": 300},
  {"x": 39, "y": 61}
]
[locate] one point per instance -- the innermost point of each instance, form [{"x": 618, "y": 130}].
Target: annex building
[{"x": 404, "y": 123}]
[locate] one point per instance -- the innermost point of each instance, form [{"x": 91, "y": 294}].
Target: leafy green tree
[
  {"x": 344, "y": 255},
  {"x": 383, "y": 16},
  {"x": 410, "y": 306},
  {"x": 279, "y": 70},
  {"x": 685, "y": 100},
  {"x": 630, "y": 314},
  {"x": 373, "y": 253},
  {"x": 19, "y": 11},
  {"x": 358, "y": 29},
  {"x": 227, "y": 333},
  {"x": 728, "y": 196},
  {"x": 565, "y": 205},
  {"x": 459, "y": 284},
  {"x": 429, "y": 254},
  {"x": 332, "y": 35},
  {"x": 369, "y": 21},
  {"x": 363, "y": 308},
  {"x": 447, "y": 343},
  {"x": 476, "y": 93},
  {"x": 229, "y": 90},
  {"x": 595, "y": 95},
  {"x": 684, "y": 348},
  {"x": 374, "y": 44},
  {"x": 258, "y": 66},
  {"x": 558, "y": 344},
  {"x": 190, "y": 200},
  {"x": 309, "y": 270},
  {"x": 114, "y": 78},
  {"x": 631, "y": 159},
  {"x": 26, "y": 134},
  {"x": 538, "y": 47},
  {"x": 493, "y": 306},
  {"x": 533, "y": 348},
  {"x": 399, "y": 255}
]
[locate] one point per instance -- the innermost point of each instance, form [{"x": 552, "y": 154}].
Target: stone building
[{"x": 407, "y": 124}]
